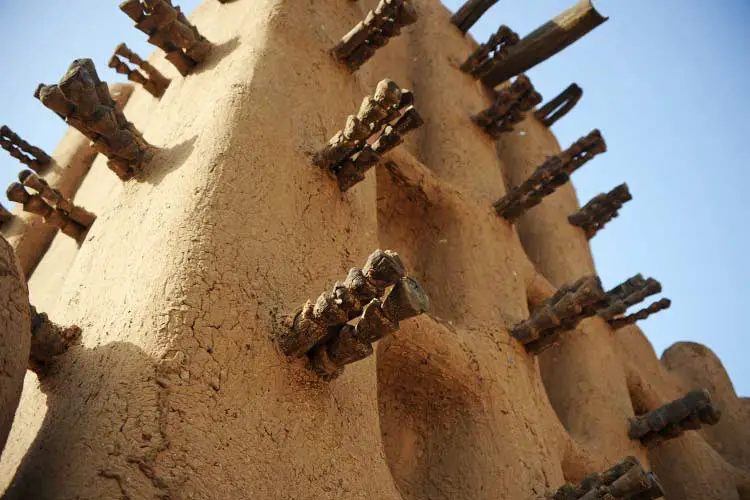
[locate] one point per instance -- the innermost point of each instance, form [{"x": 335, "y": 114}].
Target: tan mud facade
[{"x": 178, "y": 389}]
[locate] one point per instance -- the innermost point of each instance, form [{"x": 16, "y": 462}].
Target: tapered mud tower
[{"x": 231, "y": 347}]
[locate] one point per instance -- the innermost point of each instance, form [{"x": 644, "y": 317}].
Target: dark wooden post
[
  {"x": 560, "y": 105},
  {"x": 546, "y": 41}
]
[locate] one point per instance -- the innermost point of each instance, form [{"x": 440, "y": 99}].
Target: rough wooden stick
[
  {"x": 39, "y": 159},
  {"x": 560, "y": 105},
  {"x": 546, "y": 41},
  {"x": 553, "y": 173},
  {"x": 672, "y": 419},
  {"x": 601, "y": 209},
  {"x": 490, "y": 53},
  {"x": 470, "y": 12},
  {"x": 509, "y": 108},
  {"x": 630, "y": 319}
]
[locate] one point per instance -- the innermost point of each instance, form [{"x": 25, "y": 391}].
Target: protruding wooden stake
[
  {"x": 490, "y": 53},
  {"x": 672, "y": 419},
  {"x": 470, "y": 12},
  {"x": 631, "y": 319},
  {"x": 84, "y": 102},
  {"x": 348, "y": 155},
  {"x": 33, "y": 157},
  {"x": 153, "y": 81},
  {"x": 56, "y": 200},
  {"x": 600, "y": 210},
  {"x": 35, "y": 204},
  {"x": 379, "y": 26},
  {"x": 321, "y": 331},
  {"x": 560, "y": 105},
  {"x": 563, "y": 311},
  {"x": 627, "y": 294},
  {"x": 552, "y": 174},
  {"x": 545, "y": 41},
  {"x": 169, "y": 29},
  {"x": 625, "y": 480},
  {"x": 509, "y": 108}
]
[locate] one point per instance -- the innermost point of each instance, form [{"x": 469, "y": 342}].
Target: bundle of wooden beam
[
  {"x": 84, "y": 102},
  {"x": 348, "y": 155},
  {"x": 553, "y": 173},
  {"x": 153, "y": 81},
  {"x": 31, "y": 156},
  {"x": 380, "y": 25},
  {"x": 626, "y": 480},
  {"x": 509, "y": 107},
  {"x": 377, "y": 297},
  {"x": 169, "y": 29}
]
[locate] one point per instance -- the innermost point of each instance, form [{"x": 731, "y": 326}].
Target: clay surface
[{"x": 178, "y": 388}]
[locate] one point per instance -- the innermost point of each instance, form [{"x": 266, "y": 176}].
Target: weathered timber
[
  {"x": 48, "y": 340},
  {"x": 55, "y": 199},
  {"x": 687, "y": 413},
  {"x": 153, "y": 80},
  {"x": 626, "y": 480},
  {"x": 559, "y": 106},
  {"x": 491, "y": 52},
  {"x": 631, "y": 319},
  {"x": 84, "y": 102},
  {"x": 321, "y": 331},
  {"x": 600, "y": 210},
  {"x": 553, "y": 173},
  {"x": 348, "y": 155},
  {"x": 380, "y": 25},
  {"x": 470, "y": 12},
  {"x": 570, "y": 305},
  {"x": 31, "y": 156},
  {"x": 35, "y": 204},
  {"x": 630, "y": 292},
  {"x": 509, "y": 108},
  {"x": 169, "y": 29},
  {"x": 379, "y": 318},
  {"x": 545, "y": 41}
]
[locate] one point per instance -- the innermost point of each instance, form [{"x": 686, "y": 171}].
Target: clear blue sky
[{"x": 667, "y": 82}]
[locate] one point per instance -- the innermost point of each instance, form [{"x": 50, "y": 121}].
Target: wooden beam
[{"x": 545, "y": 41}]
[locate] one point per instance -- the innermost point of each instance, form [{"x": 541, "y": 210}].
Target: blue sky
[{"x": 667, "y": 82}]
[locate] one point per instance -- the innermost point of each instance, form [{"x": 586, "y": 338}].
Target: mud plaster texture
[{"x": 177, "y": 390}]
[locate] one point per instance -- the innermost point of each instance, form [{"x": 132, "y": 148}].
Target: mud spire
[
  {"x": 631, "y": 319},
  {"x": 687, "y": 413},
  {"x": 31, "y": 156},
  {"x": 48, "y": 340},
  {"x": 510, "y": 105},
  {"x": 153, "y": 81},
  {"x": 379, "y": 26},
  {"x": 627, "y": 479},
  {"x": 348, "y": 155},
  {"x": 35, "y": 204},
  {"x": 545, "y": 41},
  {"x": 470, "y": 12},
  {"x": 560, "y": 105},
  {"x": 84, "y": 102},
  {"x": 322, "y": 331},
  {"x": 169, "y": 29},
  {"x": 600, "y": 210},
  {"x": 490, "y": 53},
  {"x": 553, "y": 173}
]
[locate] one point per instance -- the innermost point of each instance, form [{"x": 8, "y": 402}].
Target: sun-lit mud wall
[{"x": 178, "y": 390}]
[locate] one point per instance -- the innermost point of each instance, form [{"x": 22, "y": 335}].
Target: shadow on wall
[
  {"x": 218, "y": 53},
  {"x": 166, "y": 161},
  {"x": 127, "y": 376}
]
